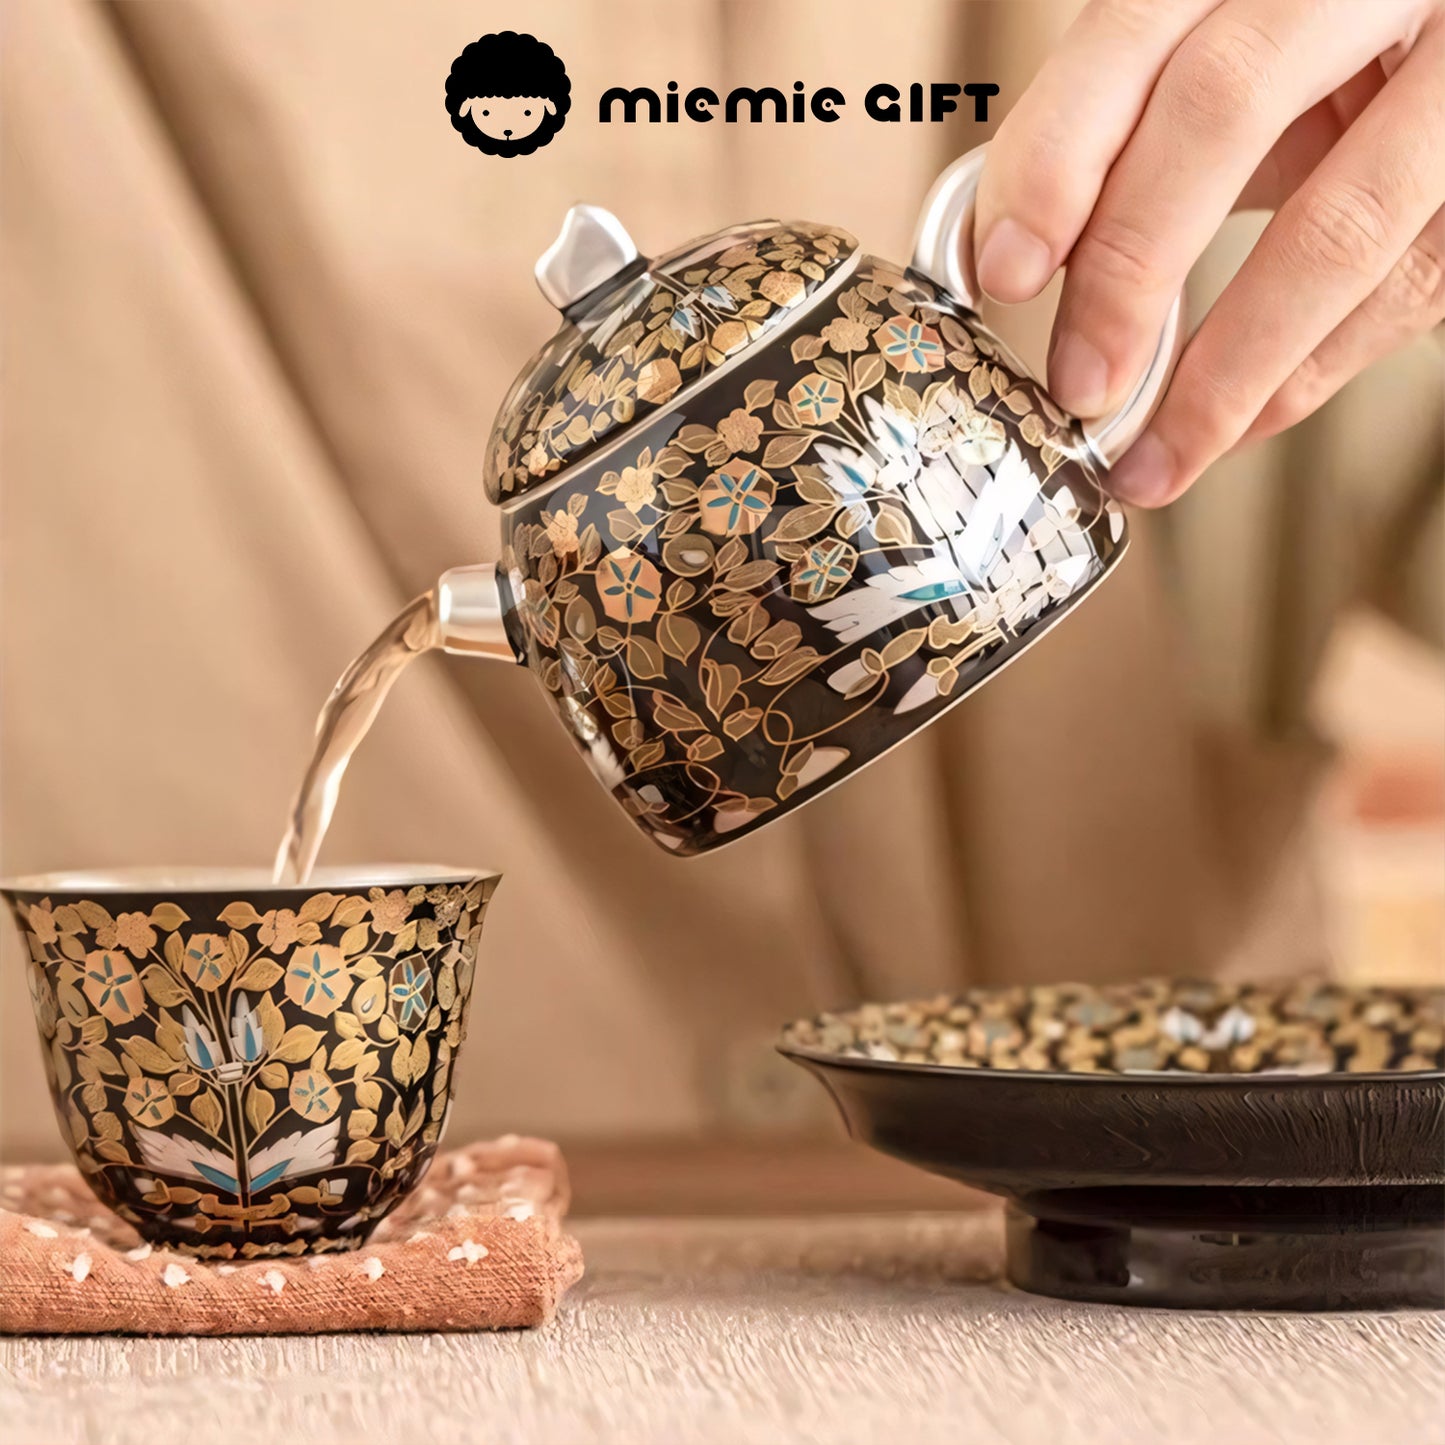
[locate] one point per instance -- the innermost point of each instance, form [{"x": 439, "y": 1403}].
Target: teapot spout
[{"x": 470, "y": 613}]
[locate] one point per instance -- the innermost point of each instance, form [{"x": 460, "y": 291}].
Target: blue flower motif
[{"x": 411, "y": 991}]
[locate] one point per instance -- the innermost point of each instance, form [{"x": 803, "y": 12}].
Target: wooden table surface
[{"x": 826, "y": 1328}]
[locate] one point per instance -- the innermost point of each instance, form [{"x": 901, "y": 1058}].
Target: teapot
[{"x": 770, "y": 505}]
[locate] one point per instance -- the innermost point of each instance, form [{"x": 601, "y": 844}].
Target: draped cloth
[{"x": 260, "y": 306}]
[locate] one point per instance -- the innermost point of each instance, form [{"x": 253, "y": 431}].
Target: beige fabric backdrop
[{"x": 260, "y": 304}]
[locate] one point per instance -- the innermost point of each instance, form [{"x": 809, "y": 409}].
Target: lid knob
[{"x": 592, "y": 247}]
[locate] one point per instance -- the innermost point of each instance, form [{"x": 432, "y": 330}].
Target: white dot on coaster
[
  {"x": 80, "y": 1267},
  {"x": 275, "y": 1280},
  {"x": 140, "y": 1252},
  {"x": 174, "y": 1276},
  {"x": 36, "y": 1226},
  {"x": 225, "y": 1269},
  {"x": 373, "y": 1268},
  {"x": 419, "y": 1236},
  {"x": 469, "y": 1250},
  {"x": 519, "y": 1211}
]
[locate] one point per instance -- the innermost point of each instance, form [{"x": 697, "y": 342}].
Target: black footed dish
[{"x": 1177, "y": 1144}]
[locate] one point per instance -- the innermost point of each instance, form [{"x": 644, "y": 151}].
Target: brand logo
[{"x": 508, "y": 94}]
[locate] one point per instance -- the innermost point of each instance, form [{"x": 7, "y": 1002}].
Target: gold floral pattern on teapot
[
  {"x": 648, "y": 338},
  {"x": 804, "y": 561}
]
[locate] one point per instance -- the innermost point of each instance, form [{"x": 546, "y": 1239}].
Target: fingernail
[
  {"x": 1144, "y": 475},
  {"x": 1013, "y": 263},
  {"x": 1078, "y": 375}
]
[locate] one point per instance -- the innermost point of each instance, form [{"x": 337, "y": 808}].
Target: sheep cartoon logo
[{"x": 508, "y": 94}]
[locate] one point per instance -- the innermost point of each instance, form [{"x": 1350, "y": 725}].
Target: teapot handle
[{"x": 943, "y": 252}]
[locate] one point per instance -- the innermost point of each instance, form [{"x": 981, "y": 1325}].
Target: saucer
[{"x": 1164, "y": 1143}]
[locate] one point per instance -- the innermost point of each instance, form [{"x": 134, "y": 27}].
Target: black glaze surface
[{"x": 1212, "y": 1191}]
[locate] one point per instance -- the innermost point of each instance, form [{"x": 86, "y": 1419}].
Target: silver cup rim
[{"x": 196, "y": 879}]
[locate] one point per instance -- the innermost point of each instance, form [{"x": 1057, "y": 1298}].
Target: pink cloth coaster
[{"x": 478, "y": 1245}]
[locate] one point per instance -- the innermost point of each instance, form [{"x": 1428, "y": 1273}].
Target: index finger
[{"x": 1047, "y": 164}]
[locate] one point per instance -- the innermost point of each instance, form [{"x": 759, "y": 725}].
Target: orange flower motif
[
  {"x": 816, "y": 399},
  {"x": 317, "y": 979},
  {"x": 42, "y": 924},
  {"x": 658, "y": 380},
  {"x": 909, "y": 345},
  {"x": 389, "y": 911},
  {"x": 113, "y": 985},
  {"x": 736, "y": 499},
  {"x": 207, "y": 962},
  {"x": 562, "y": 533},
  {"x": 280, "y": 929},
  {"x": 313, "y": 1095},
  {"x": 629, "y": 586},
  {"x": 844, "y": 334},
  {"x": 134, "y": 933},
  {"x": 636, "y": 488},
  {"x": 148, "y": 1101},
  {"x": 741, "y": 430}
]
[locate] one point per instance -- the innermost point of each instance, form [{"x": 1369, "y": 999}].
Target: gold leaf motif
[
  {"x": 401, "y": 1060},
  {"x": 868, "y": 371},
  {"x": 796, "y": 664},
  {"x": 318, "y": 907},
  {"x": 803, "y": 522},
  {"x": 720, "y": 681},
  {"x": 262, "y": 974},
  {"x": 273, "y": 1024},
  {"x": 674, "y": 716},
  {"x": 114, "y": 1153},
  {"x": 361, "y": 1151},
  {"x": 348, "y": 1053},
  {"x": 750, "y": 576},
  {"x": 184, "y": 1083},
  {"x": 368, "y": 1094},
  {"x": 742, "y": 722},
  {"x": 704, "y": 749},
  {"x": 169, "y": 916},
  {"x": 891, "y": 525},
  {"x": 104, "y": 1060},
  {"x": 161, "y": 985},
  {"x": 897, "y": 649},
  {"x": 783, "y": 450},
  {"x": 355, "y": 940},
  {"x": 346, "y": 1023},
  {"x": 350, "y": 911},
  {"x": 206, "y": 1111},
  {"x": 395, "y": 1122},
  {"x": 274, "y": 1075},
  {"x": 93, "y": 914},
  {"x": 239, "y": 915},
  {"x": 757, "y": 394},
  {"x": 72, "y": 1002},
  {"x": 979, "y": 384},
  {"x": 299, "y": 1042},
  {"x": 147, "y": 1055},
  {"x": 644, "y": 658},
  {"x": 447, "y": 986},
  {"x": 260, "y": 1106},
  {"x": 807, "y": 348},
  {"x": 406, "y": 938},
  {"x": 679, "y": 636},
  {"x": 360, "y": 1124}
]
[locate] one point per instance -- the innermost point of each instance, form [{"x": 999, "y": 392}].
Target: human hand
[{"x": 1150, "y": 123}]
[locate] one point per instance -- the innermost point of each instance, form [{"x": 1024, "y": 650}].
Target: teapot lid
[{"x": 638, "y": 334}]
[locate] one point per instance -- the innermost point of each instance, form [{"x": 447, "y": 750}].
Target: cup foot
[{"x": 1248, "y": 1249}]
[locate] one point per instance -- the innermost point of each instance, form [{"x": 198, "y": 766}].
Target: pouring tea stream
[{"x": 769, "y": 506}]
